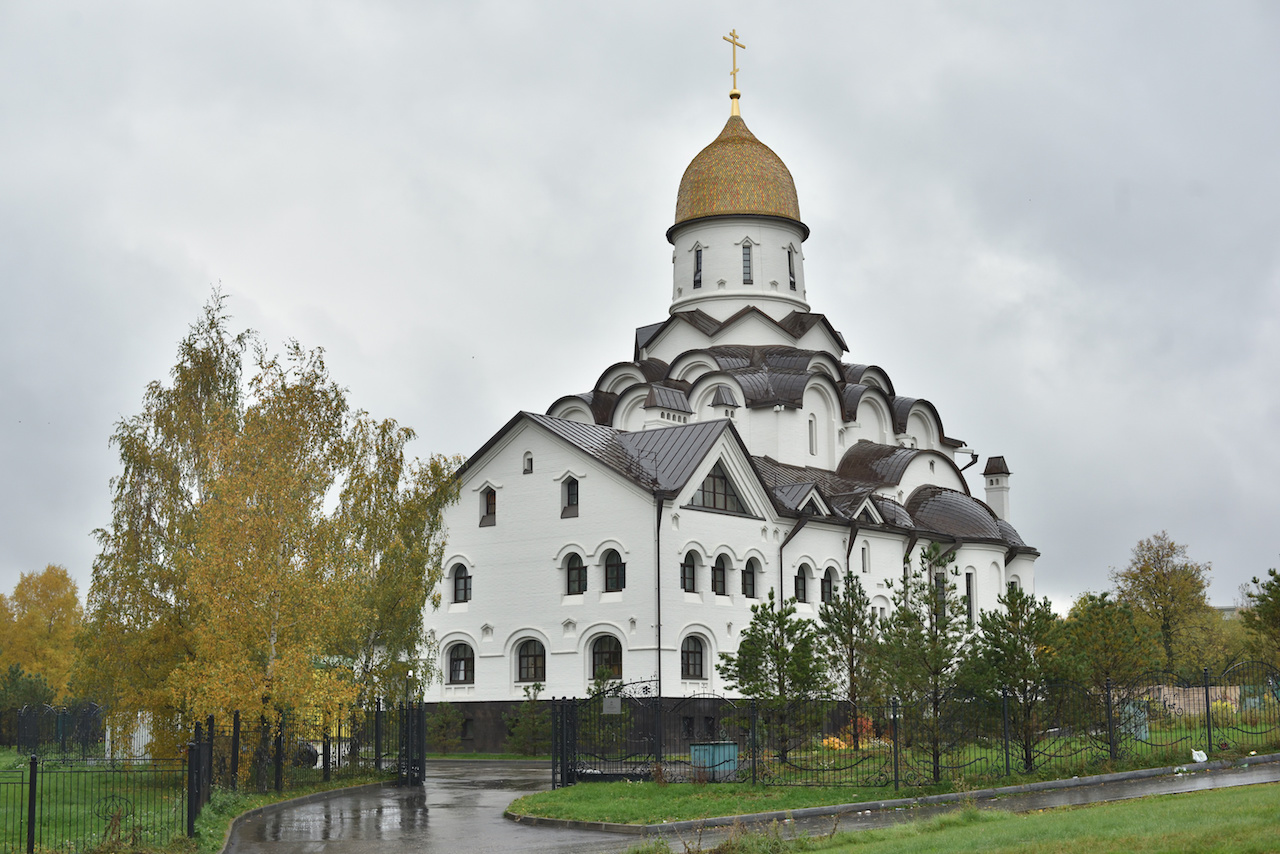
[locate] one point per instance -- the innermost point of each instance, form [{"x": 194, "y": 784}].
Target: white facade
[{"x": 832, "y": 471}]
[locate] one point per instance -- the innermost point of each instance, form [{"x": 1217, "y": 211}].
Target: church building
[{"x": 740, "y": 449}]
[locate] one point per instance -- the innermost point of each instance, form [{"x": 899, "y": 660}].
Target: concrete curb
[
  {"x": 896, "y": 803},
  {"x": 267, "y": 809}
]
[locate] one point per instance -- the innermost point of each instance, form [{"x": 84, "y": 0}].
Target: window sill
[
  {"x": 611, "y": 596},
  {"x": 572, "y": 599},
  {"x": 488, "y": 521},
  {"x": 569, "y": 512},
  {"x": 457, "y": 607}
]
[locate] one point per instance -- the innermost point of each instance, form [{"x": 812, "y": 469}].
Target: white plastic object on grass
[{"x": 1199, "y": 756}]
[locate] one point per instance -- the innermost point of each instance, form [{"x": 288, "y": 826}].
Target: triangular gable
[
  {"x": 718, "y": 492},
  {"x": 796, "y": 325}
]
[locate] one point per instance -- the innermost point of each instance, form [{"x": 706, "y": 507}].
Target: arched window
[
  {"x": 802, "y": 587},
  {"x": 688, "y": 573},
  {"x": 462, "y": 664},
  {"x": 577, "y": 576},
  {"x": 866, "y": 557},
  {"x": 791, "y": 267},
  {"x": 615, "y": 571},
  {"x": 746, "y": 263},
  {"x": 697, "y": 267},
  {"x": 813, "y": 435},
  {"x": 749, "y": 578},
  {"x": 606, "y": 657},
  {"x": 533, "y": 662},
  {"x": 691, "y": 658},
  {"x": 461, "y": 583},
  {"x": 718, "y": 575},
  {"x": 828, "y": 586}
]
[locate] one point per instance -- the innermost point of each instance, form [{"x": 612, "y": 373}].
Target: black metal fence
[
  {"x": 628, "y": 732},
  {"x": 83, "y": 787},
  {"x": 51, "y": 805}
]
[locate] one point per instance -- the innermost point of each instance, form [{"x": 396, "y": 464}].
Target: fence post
[
  {"x": 1208, "y": 713},
  {"x": 280, "y": 754},
  {"x": 31, "y": 804},
  {"x": 1004, "y": 695},
  {"x": 326, "y": 754},
  {"x": 206, "y": 764},
  {"x": 235, "y": 750},
  {"x": 377, "y": 734},
  {"x": 660, "y": 729},
  {"x": 897, "y": 778},
  {"x": 193, "y": 785},
  {"x": 1112, "y": 746},
  {"x": 755, "y": 738}
]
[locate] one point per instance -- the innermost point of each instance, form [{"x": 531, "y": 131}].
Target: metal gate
[{"x": 614, "y": 734}]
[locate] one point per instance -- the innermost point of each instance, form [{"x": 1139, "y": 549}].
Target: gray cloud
[{"x": 1056, "y": 222}]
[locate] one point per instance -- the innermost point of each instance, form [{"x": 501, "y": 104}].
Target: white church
[{"x": 738, "y": 450}]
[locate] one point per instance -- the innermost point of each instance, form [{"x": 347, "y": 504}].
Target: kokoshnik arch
[{"x": 633, "y": 526}]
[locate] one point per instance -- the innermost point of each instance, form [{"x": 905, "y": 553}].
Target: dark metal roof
[
  {"x": 875, "y": 463},
  {"x": 662, "y": 397},
  {"x": 765, "y": 387},
  {"x": 892, "y": 512},
  {"x": 850, "y": 396},
  {"x": 795, "y": 324},
  {"x": 790, "y": 495},
  {"x": 665, "y": 458},
  {"x": 996, "y": 465},
  {"x": 661, "y": 459},
  {"x": 644, "y": 335},
  {"x": 724, "y": 397},
  {"x": 1009, "y": 535},
  {"x": 953, "y": 513},
  {"x": 800, "y": 322},
  {"x": 855, "y": 373}
]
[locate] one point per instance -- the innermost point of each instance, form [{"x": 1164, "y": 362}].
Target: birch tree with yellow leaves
[{"x": 269, "y": 549}]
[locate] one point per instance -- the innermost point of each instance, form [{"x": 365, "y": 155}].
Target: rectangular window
[
  {"x": 717, "y": 578},
  {"x": 749, "y": 583},
  {"x": 697, "y": 268},
  {"x": 969, "y": 592},
  {"x": 791, "y": 267},
  {"x": 746, "y": 263}
]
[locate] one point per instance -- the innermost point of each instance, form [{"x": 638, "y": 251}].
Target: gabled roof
[
  {"x": 724, "y": 397},
  {"x": 661, "y": 459},
  {"x": 664, "y": 459},
  {"x": 796, "y": 325},
  {"x": 662, "y": 397}
]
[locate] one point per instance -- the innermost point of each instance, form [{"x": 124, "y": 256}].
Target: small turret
[{"x": 996, "y": 475}]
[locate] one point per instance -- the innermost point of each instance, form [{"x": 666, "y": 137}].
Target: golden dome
[{"x": 737, "y": 174}]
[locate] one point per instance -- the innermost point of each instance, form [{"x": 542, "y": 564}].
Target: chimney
[{"x": 996, "y": 475}]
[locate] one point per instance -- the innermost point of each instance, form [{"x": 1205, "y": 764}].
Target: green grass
[
  {"x": 72, "y": 801},
  {"x": 651, "y": 803},
  {"x": 1242, "y": 819}
]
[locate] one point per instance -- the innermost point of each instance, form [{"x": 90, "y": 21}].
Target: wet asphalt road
[{"x": 461, "y": 809}]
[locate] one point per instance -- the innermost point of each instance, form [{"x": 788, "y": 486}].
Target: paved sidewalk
[{"x": 461, "y": 810}]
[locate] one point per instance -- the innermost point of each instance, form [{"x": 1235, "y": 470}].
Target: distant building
[{"x": 632, "y": 527}]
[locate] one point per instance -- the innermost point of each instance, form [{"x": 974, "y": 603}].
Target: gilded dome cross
[{"x": 732, "y": 39}]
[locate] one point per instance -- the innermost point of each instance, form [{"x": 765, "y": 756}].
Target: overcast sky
[{"x": 1059, "y": 222}]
